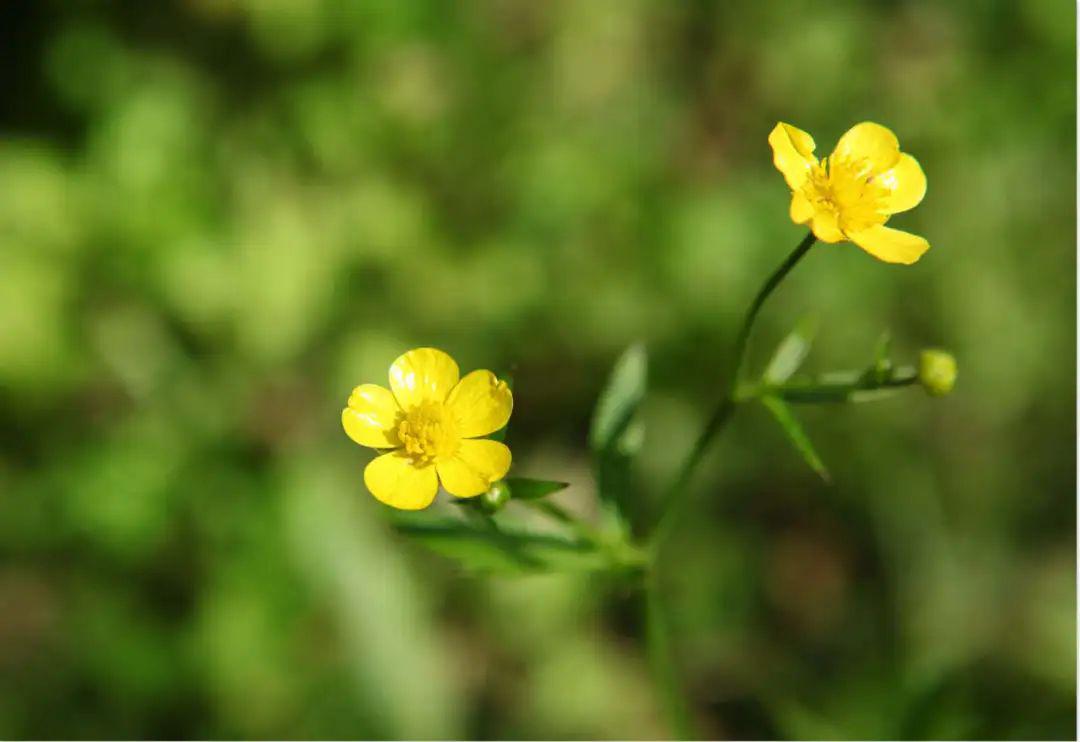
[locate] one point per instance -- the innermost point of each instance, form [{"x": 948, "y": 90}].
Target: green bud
[
  {"x": 937, "y": 372},
  {"x": 495, "y": 498}
]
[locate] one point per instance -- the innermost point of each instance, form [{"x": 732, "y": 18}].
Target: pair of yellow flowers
[{"x": 431, "y": 423}]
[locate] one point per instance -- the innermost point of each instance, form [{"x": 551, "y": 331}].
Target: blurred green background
[{"x": 218, "y": 216}]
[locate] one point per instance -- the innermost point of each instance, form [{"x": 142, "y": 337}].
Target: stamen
[{"x": 429, "y": 432}]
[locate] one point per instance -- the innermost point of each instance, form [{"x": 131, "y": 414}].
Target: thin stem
[
  {"x": 662, "y": 664},
  {"x": 755, "y": 307},
  {"x": 836, "y": 388},
  {"x": 677, "y": 495}
]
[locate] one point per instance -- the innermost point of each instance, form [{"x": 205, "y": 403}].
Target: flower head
[
  {"x": 432, "y": 422},
  {"x": 850, "y": 194}
]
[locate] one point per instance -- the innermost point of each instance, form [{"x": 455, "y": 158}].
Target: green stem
[
  {"x": 662, "y": 664},
  {"x": 838, "y": 388},
  {"x": 678, "y": 494},
  {"x": 755, "y": 307}
]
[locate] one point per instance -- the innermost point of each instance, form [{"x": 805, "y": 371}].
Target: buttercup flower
[
  {"x": 850, "y": 194},
  {"x": 433, "y": 423}
]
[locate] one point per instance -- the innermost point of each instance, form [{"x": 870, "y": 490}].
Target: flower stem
[
  {"x": 678, "y": 494},
  {"x": 838, "y": 387},
  {"x": 755, "y": 307},
  {"x": 662, "y": 664}
]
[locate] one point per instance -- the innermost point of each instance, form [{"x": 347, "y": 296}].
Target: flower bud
[
  {"x": 937, "y": 372},
  {"x": 495, "y": 498}
]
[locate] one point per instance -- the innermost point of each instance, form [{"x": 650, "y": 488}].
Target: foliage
[{"x": 217, "y": 216}]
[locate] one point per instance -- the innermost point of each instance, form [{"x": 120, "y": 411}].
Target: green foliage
[
  {"x": 795, "y": 433},
  {"x": 616, "y": 434},
  {"x": 217, "y": 218},
  {"x": 791, "y": 352},
  {"x": 618, "y": 403},
  {"x": 502, "y": 550},
  {"x": 523, "y": 488}
]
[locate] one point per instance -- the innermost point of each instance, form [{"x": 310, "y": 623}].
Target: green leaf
[
  {"x": 620, "y": 399},
  {"x": 791, "y": 352},
  {"x": 615, "y": 436},
  {"x": 504, "y": 550},
  {"x": 883, "y": 347},
  {"x": 882, "y": 363},
  {"x": 796, "y": 434},
  {"x": 522, "y": 488}
]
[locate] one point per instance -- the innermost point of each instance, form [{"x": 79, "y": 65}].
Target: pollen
[
  {"x": 429, "y": 432},
  {"x": 847, "y": 188}
]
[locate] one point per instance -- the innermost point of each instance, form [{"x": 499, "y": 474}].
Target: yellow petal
[
  {"x": 422, "y": 375},
  {"x": 481, "y": 403},
  {"x": 395, "y": 480},
  {"x": 793, "y": 153},
  {"x": 891, "y": 245},
  {"x": 372, "y": 416},
  {"x": 826, "y": 227},
  {"x": 871, "y": 142},
  {"x": 477, "y": 464},
  {"x": 906, "y": 184},
  {"x": 801, "y": 209}
]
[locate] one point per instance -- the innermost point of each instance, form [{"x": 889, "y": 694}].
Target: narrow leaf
[
  {"x": 883, "y": 347},
  {"x": 792, "y": 351},
  {"x": 522, "y": 488},
  {"x": 620, "y": 399},
  {"x": 506, "y": 551},
  {"x": 882, "y": 363},
  {"x": 797, "y": 435}
]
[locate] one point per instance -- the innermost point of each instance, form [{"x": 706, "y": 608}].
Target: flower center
[
  {"x": 429, "y": 432},
  {"x": 847, "y": 188}
]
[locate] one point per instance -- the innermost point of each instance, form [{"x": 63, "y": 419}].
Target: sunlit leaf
[
  {"x": 791, "y": 352},
  {"x": 797, "y": 435},
  {"x": 615, "y": 436},
  {"x": 503, "y": 550},
  {"x": 882, "y": 363},
  {"x": 522, "y": 488},
  {"x": 620, "y": 399}
]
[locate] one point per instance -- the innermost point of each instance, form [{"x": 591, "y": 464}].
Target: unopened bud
[
  {"x": 495, "y": 498},
  {"x": 937, "y": 372}
]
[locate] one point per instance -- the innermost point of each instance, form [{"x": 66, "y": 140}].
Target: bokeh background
[{"x": 218, "y": 216}]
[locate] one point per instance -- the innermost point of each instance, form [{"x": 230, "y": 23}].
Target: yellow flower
[
  {"x": 432, "y": 422},
  {"x": 853, "y": 192}
]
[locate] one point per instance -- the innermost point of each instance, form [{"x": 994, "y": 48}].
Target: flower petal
[
  {"x": 906, "y": 183},
  {"x": 891, "y": 245},
  {"x": 422, "y": 375},
  {"x": 476, "y": 465},
  {"x": 801, "y": 209},
  {"x": 395, "y": 480},
  {"x": 371, "y": 417},
  {"x": 871, "y": 142},
  {"x": 481, "y": 403},
  {"x": 793, "y": 153},
  {"x": 827, "y": 227}
]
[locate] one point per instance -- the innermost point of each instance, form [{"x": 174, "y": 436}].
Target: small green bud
[
  {"x": 937, "y": 372},
  {"x": 495, "y": 498}
]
